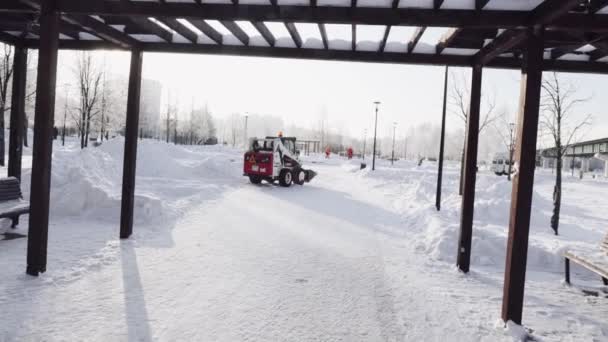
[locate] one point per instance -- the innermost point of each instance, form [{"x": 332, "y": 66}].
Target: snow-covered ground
[{"x": 353, "y": 256}]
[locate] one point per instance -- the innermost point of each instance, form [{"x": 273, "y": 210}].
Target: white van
[{"x": 500, "y": 164}]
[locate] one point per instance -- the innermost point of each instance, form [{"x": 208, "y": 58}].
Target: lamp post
[
  {"x": 364, "y": 140},
  {"x": 65, "y": 113},
  {"x": 393, "y": 152},
  {"x": 511, "y": 143},
  {"x": 245, "y": 142},
  {"x": 377, "y": 103}
]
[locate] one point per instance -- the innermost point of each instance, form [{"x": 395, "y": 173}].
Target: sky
[{"x": 301, "y": 91}]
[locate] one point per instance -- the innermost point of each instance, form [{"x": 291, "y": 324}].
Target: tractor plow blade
[{"x": 310, "y": 174}]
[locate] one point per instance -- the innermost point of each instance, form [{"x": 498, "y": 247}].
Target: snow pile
[
  {"x": 88, "y": 183},
  {"x": 412, "y": 191}
]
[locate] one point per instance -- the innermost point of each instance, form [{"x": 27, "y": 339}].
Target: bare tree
[
  {"x": 558, "y": 102},
  {"x": 460, "y": 101},
  {"x": 89, "y": 80}
]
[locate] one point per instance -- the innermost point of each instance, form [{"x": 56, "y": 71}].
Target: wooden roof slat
[
  {"x": 145, "y": 25},
  {"x": 446, "y": 39},
  {"x": 387, "y": 32},
  {"x": 480, "y": 4},
  {"x": 208, "y": 30},
  {"x": 415, "y": 38},
  {"x": 101, "y": 30},
  {"x": 324, "y": 36},
  {"x": 353, "y": 37},
  {"x": 236, "y": 31},
  {"x": 265, "y": 32},
  {"x": 293, "y": 32},
  {"x": 173, "y": 24}
]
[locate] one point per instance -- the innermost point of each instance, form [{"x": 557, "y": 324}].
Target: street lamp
[
  {"x": 393, "y": 152},
  {"x": 65, "y": 113},
  {"x": 246, "y": 117},
  {"x": 364, "y": 140},
  {"x": 377, "y": 103},
  {"x": 511, "y": 143}
]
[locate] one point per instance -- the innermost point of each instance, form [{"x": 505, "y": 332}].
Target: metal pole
[
  {"x": 245, "y": 142},
  {"x": 43, "y": 139},
  {"x": 393, "y": 152},
  {"x": 442, "y": 142},
  {"x": 364, "y": 141},
  {"x": 65, "y": 114},
  {"x": 375, "y": 132}
]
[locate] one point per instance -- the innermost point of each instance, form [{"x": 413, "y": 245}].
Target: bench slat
[{"x": 592, "y": 262}]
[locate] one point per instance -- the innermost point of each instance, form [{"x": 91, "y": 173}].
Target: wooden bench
[
  {"x": 596, "y": 261},
  {"x": 12, "y": 204}
]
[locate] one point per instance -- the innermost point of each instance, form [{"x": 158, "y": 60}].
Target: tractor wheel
[
  {"x": 255, "y": 179},
  {"x": 285, "y": 178},
  {"x": 299, "y": 176}
]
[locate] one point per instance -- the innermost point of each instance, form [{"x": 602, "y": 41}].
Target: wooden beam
[
  {"x": 182, "y": 30},
  {"x": 504, "y": 42},
  {"x": 337, "y": 15},
  {"x": 508, "y": 63},
  {"x": 208, "y": 30},
  {"x": 130, "y": 154},
  {"x": 470, "y": 173},
  {"x": 442, "y": 142},
  {"x": 293, "y": 32},
  {"x": 415, "y": 38},
  {"x": 9, "y": 38},
  {"x": 236, "y": 31},
  {"x": 545, "y": 13},
  {"x": 17, "y": 119},
  {"x": 596, "y": 5},
  {"x": 601, "y": 51},
  {"x": 43, "y": 140},
  {"x": 265, "y": 32},
  {"x": 523, "y": 180}
]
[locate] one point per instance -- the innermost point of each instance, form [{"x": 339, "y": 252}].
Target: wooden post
[
  {"x": 17, "y": 120},
  {"x": 523, "y": 180},
  {"x": 470, "y": 170},
  {"x": 442, "y": 142},
  {"x": 43, "y": 139},
  {"x": 130, "y": 154}
]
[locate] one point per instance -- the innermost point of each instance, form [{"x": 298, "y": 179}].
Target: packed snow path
[{"x": 330, "y": 261}]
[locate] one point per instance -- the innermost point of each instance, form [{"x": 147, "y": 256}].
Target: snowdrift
[
  {"x": 88, "y": 183},
  {"x": 412, "y": 190}
]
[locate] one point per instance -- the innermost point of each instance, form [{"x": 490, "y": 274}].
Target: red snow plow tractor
[{"x": 275, "y": 159}]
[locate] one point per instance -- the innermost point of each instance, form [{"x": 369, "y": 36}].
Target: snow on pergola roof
[{"x": 435, "y": 32}]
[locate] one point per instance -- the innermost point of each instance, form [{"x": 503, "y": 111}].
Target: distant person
[
  {"x": 349, "y": 152},
  {"x": 55, "y": 133},
  {"x": 327, "y": 152}
]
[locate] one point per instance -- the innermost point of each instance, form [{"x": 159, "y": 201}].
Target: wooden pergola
[{"x": 559, "y": 35}]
